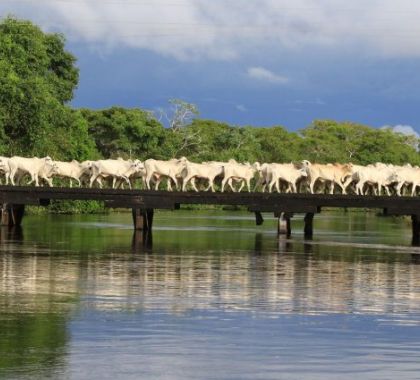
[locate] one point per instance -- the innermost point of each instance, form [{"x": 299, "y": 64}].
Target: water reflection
[
  {"x": 57, "y": 287},
  {"x": 142, "y": 241},
  {"x": 275, "y": 276}
]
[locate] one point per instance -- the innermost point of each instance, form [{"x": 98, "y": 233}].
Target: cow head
[
  {"x": 394, "y": 177},
  {"x": 303, "y": 172},
  {"x": 348, "y": 168},
  {"x": 51, "y": 168},
  {"x": 87, "y": 166},
  {"x": 138, "y": 166},
  {"x": 257, "y": 166},
  {"x": 3, "y": 163}
]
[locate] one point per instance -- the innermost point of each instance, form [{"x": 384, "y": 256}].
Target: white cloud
[
  {"x": 226, "y": 29},
  {"x": 260, "y": 73},
  {"x": 241, "y": 108},
  {"x": 404, "y": 129}
]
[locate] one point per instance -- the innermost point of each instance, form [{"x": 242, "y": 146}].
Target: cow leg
[
  {"x": 49, "y": 181},
  {"x": 248, "y": 185},
  {"x": 398, "y": 188},
  {"x": 194, "y": 186},
  {"x": 168, "y": 184},
  {"x": 211, "y": 184},
  {"x": 343, "y": 189},
  {"x": 36, "y": 180},
  {"x": 311, "y": 186},
  {"x": 33, "y": 176},
  {"x": 30, "y": 181},
  {"x": 175, "y": 180},
  {"x": 126, "y": 179},
  {"x": 346, "y": 184},
  {"x": 224, "y": 184},
  {"x": 147, "y": 180},
  {"x": 92, "y": 180},
  {"x": 12, "y": 177},
  {"x": 185, "y": 183}
]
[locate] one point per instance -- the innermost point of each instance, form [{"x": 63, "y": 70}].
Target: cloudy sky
[{"x": 259, "y": 62}]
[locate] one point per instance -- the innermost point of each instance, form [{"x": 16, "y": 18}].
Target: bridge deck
[{"x": 263, "y": 202}]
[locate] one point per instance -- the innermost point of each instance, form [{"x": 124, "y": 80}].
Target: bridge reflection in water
[
  {"x": 67, "y": 271},
  {"x": 273, "y": 275}
]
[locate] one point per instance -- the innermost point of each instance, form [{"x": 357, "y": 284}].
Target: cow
[
  {"x": 116, "y": 169},
  {"x": 207, "y": 171},
  {"x": 4, "y": 168},
  {"x": 158, "y": 169},
  {"x": 73, "y": 170},
  {"x": 36, "y": 167},
  {"x": 376, "y": 176},
  {"x": 333, "y": 174},
  {"x": 272, "y": 174},
  {"x": 244, "y": 172}
]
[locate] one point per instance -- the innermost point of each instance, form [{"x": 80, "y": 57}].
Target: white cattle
[
  {"x": 207, "y": 171},
  {"x": 243, "y": 172},
  {"x": 73, "y": 170},
  {"x": 406, "y": 175},
  {"x": 230, "y": 180},
  {"x": 333, "y": 174},
  {"x": 272, "y": 174},
  {"x": 377, "y": 176},
  {"x": 4, "y": 168},
  {"x": 36, "y": 167},
  {"x": 116, "y": 169},
  {"x": 158, "y": 169}
]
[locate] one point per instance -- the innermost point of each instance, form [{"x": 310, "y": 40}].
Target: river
[{"x": 214, "y": 297}]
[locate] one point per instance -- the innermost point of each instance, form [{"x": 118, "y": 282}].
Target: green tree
[
  {"x": 332, "y": 141},
  {"x": 121, "y": 132},
  {"x": 37, "y": 79},
  {"x": 277, "y": 144}
]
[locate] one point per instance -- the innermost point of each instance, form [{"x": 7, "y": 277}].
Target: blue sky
[{"x": 258, "y": 62}]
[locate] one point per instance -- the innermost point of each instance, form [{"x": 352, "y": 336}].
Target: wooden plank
[{"x": 262, "y": 202}]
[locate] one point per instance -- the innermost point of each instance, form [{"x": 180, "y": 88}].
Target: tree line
[{"x": 38, "y": 77}]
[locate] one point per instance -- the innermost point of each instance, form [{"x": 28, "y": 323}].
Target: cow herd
[{"x": 182, "y": 174}]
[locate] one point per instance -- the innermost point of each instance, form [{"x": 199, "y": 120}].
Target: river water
[{"x": 214, "y": 297}]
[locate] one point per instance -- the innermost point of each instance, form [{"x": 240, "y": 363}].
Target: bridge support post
[
  {"x": 12, "y": 215},
  {"x": 142, "y": 219},
  {"x": 283, "y": 224},
  {"x": 308, "y": 229},
  {"x": 141, "y": 240},
  {"x": 415, "y": 224},
  {"x": 259, "y": 220}
]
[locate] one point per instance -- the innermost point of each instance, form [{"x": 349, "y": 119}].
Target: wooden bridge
[{"x": 144, "y": 202}]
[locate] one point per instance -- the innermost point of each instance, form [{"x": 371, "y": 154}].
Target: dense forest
[{"x": 38, "y": 77}]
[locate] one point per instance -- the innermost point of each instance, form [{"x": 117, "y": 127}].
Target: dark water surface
[{"x": 215, "y": 298}]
